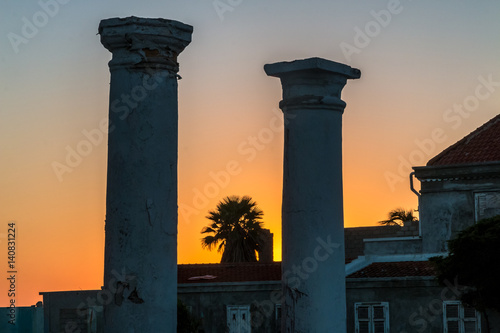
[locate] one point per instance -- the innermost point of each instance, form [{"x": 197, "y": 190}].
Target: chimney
[
  {"x": 140, "y": 259},
  {"x": 266, "y": 247},
  {"x": 313, "y": 263}
]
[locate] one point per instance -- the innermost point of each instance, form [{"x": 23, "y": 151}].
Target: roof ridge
[
  {"x": 226, "y": 264},
  {"x": 482, "y": 128},
  {"x": 452, "y": 155}
]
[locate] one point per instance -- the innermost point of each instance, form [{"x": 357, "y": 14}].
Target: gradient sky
[{"x": 424, "y": 69}]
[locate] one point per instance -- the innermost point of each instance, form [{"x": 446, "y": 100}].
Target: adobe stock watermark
[
  {"x": 31, "y": 25},
  {"x": 248, "y": 149},
  {"x": 453, "y": 117},
  {"x": 12, "y": 271},
  {"x": 363, "y": 37},
  {"x": 293, "y": 279},
  {"x": 116, "y": 290},
  {"x": 94, "y": 137},
  {"x": 424, "y": 317},
  {"x": 224, "y": 6}
]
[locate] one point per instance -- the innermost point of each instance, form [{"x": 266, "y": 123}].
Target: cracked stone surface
[
  {"x": 141, "y": 200},
  {"x": 313, "y": 270}
]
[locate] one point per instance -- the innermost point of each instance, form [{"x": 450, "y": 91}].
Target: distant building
[
  {"x": 390, "y": 283},
  {"x": 232, "y": 295},
  {"x": 460, "y": 186},
  {"x": 266, "y": 252},
  {"x": 74, "y": 311},
  {"x": 23, "y": 319}
]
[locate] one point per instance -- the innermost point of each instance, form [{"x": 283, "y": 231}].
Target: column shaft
[
  {"x": 140, "y": 268},
  {"x": 312, "y": 211}
]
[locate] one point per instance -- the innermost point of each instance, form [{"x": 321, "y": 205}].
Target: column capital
[
  {"x": 312, "y": 82},
  {"x": 142, "y": 42}
]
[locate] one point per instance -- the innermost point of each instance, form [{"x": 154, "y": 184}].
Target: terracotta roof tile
[
  {"x": 482, "y": 145},
  {"x": 395, "y": 269},
  {"x": 249, "y": 272},
  {"x": 234, "y": 272}
]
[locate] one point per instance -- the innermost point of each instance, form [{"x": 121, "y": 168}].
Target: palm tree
[
  {"x": 398, "y": 217},
  {"x": 236, "y": 229}
]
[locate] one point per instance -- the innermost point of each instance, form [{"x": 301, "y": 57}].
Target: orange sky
[{"x": 414, "y": 71}]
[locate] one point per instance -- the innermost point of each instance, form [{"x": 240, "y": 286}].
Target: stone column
[
  {"x": 312, "y": 213},
  {"x": 140, "y": 261}
]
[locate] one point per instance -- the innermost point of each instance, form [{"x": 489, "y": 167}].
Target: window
[
  {"x": 93, "y": 320},
  {"x": 238, "y": 319},
  {"x": 371, "y": 317},
  {"x": 460, "y": 318},
  {"x": 487, "y": 204},
  {"x": 277, "y": 311},
  {"x": 73, "y": 319}
]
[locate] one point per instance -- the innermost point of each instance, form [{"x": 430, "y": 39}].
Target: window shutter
[
  {"x": 378, "y": 312},
  {"x": 239, "y": 319},
  {"x": 364, "y": 327},
  {"x": 469, "y": 312},
  {"x": 453, "y": 327},
  {"x": 451, "y": 316},
  {"x": 379, "y": 319},
  {"x": 459, "y": 318},
  {"x": 470, "y": 320},
  {"x": 452, "y": 310},
  {"x": 379, "y": 327},
  {"x": 278, "y": 318},
  {"x": 245, "y": 321},
  {"x": 371, "y": 317},
  {"x": 362, "y": 314},
  {"x": 470, "y": 327}
]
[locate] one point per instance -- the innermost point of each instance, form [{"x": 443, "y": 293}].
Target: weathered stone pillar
[
  {"x": 140, "y": 267},
  {"x": 313, "y": 226}
]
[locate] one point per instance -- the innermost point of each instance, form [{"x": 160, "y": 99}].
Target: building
[
  {"x": 460, "y": 186},
  {"x": 390, "y": 284},
  {"x": 73, "y": 311},
  {"x": 25, "y": 319}
]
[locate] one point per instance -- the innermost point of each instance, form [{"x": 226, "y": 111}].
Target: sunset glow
[{"x": 430, "y": 75}]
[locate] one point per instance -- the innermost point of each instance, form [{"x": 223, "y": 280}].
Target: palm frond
[
  {"x": 236, "y": 229},
  {"x": 398, "y": 217}
]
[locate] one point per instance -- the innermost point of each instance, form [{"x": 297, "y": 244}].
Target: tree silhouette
[
  {"x": 398, "y": 217},
  {"x": 236, "y": 229},
  {"x": 472, "y": 263},
  {"x": 186, "y": 321}
]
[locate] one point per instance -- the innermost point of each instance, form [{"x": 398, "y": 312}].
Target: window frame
[
  {"x": 277, "y": 317},
  {"x": 371, "y": 320},
  {"x": 246, "y": 309},
  {"x": 479, "y": 198},
  {"x": 461, "y": 319}
]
